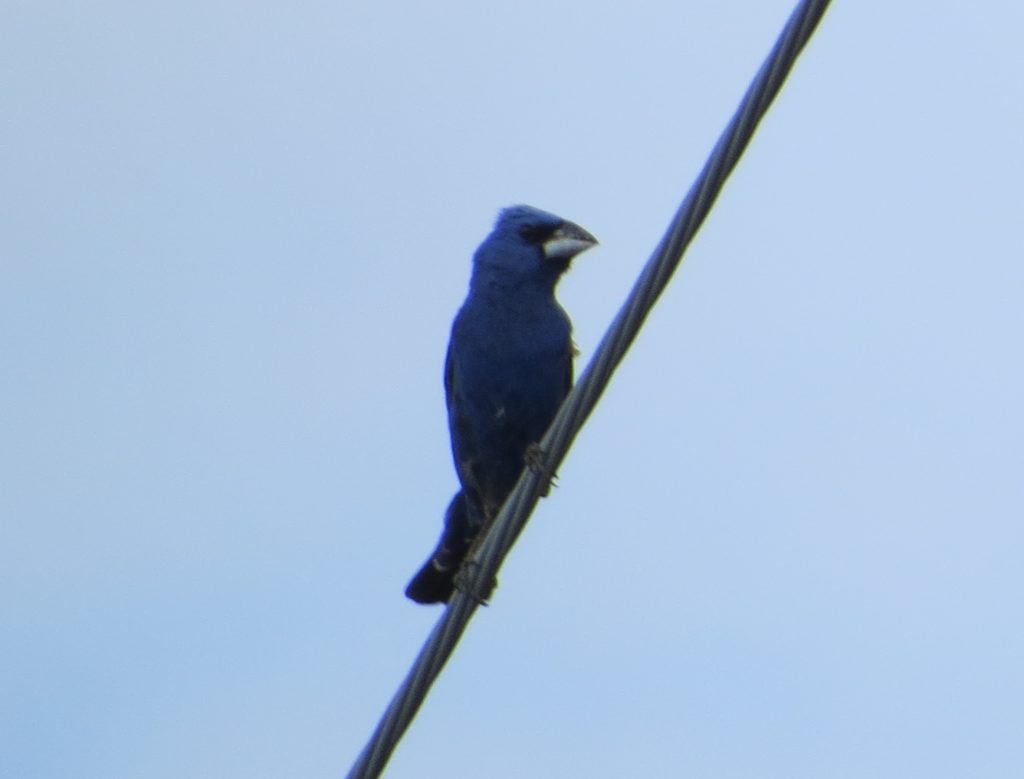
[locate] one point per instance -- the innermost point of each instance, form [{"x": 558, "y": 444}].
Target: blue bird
[{"x": 509, "y": 366}]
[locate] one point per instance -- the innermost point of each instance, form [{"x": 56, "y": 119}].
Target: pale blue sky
[{"x": 232, "y": 238}]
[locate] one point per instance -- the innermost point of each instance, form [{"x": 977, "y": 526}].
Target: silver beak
[{"x": 567, "y": 241}]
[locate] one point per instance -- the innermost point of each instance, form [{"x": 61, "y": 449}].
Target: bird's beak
[{"x": 567, "y": 241}]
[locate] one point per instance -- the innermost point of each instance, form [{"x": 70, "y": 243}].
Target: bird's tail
[
  {"x": 432, "y": 584},
  {"x": 435, "y": 581}
]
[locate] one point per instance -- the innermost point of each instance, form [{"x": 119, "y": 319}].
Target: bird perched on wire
[{"x": 509, "y": 366}]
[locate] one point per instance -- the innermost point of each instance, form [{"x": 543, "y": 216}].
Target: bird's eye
[{"x": 533, "y": 234}]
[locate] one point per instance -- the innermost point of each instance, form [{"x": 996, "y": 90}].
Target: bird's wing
[
  {"x": 449, "y": 380},
  {"x": 570, "y": 357},
  {"x": 464, "y": 446}
]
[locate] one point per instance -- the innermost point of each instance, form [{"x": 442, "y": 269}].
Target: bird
[{"x": 508, "y": 368}]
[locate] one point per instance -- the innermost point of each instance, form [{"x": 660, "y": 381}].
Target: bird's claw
[
  {"x": 534, "y": 458},
  {"x": 464, "y": 583}
]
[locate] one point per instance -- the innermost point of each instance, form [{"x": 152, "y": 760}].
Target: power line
[{"x": 486, "y": 557}]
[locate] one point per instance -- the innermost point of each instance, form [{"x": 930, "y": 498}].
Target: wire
[{"x": 486, "y": 557}]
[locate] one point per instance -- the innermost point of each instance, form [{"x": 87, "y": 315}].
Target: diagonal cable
[{"x": 487, "y": 555}]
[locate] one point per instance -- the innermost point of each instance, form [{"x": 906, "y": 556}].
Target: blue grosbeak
[{"x": 509, "y": 366}]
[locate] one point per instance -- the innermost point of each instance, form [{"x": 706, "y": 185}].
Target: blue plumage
[{"x": 509, "y": 367}]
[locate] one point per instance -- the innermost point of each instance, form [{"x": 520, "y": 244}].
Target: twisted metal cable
[{"x": 488, "y": 553}]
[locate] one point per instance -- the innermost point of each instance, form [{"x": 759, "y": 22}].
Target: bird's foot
[
  {"x": 464, "y": 583},
  {"x": 534, "y": 459}
]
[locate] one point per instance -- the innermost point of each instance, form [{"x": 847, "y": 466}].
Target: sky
[{"x": 232, "y": 240}]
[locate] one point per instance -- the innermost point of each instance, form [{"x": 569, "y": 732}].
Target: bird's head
[{"x": 528, "y": 244}]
